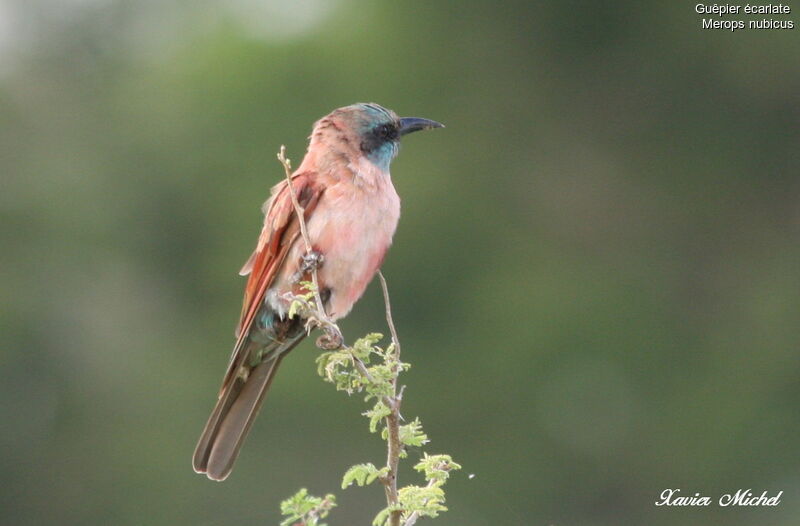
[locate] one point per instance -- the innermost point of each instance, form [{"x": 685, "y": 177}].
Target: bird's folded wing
[{"x": 281, "y": 229}]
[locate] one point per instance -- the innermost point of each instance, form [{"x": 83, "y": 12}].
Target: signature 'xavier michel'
[{"x": 351, "y": 213}]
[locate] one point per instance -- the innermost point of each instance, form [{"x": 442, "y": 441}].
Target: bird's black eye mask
[{"x": 378, "y": 136}]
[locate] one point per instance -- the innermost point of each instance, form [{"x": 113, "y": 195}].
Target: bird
[{"x": 351, "y": 212}]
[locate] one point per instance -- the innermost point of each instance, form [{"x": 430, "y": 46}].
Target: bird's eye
[
  {"x": 388, "y": 132},
  {"x": 379, "y": 135}
]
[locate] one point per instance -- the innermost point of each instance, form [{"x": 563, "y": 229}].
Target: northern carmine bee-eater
[{"x": 351, "y": 213}]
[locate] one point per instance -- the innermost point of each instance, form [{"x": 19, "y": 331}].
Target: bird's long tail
[{"x": 234, "y": 413}]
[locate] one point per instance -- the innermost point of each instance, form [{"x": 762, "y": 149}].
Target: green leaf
[
  {"x": 364, "y": 347},
  {"x": 436, "y": 467},
  {"x": 376, "y": 414},
  {"x": 427, "y": 501},
  {"x": 309, "y": 286},
  {"x": 336, "y": 367},
  {"x": 293, "y": 308},
  {"x": 411, "y": 434},
  {"x": 381, "y": 518},
  {"x": 362, "y": 474}
]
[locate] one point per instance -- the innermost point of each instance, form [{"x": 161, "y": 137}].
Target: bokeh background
[{"x": 596, "y": 275}]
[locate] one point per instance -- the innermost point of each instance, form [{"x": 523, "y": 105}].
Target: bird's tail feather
[{"x": 233, "y": 415}]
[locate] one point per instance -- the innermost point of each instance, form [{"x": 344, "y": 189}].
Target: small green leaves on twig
[
  {"x": 422, "y": 501},
  {"x": 349, "y": 368},
  {"x": 306, "y": 510},
  {"x": 376, "y": 415},
  {"x": 411, "y": 434},
  {"x": 363, "y": 474},
  {"x": 367, "y": 368},
  {"x": 437, "y": 468}
]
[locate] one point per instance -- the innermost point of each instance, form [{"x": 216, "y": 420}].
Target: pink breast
[
  {"x": 352, "y": 226},
  {"x": 353, "y": 232}
]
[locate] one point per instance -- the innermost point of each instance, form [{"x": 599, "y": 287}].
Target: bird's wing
[{"x": 281, "y": 229}]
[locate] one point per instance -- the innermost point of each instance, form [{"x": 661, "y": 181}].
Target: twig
[
  {"x": 393, "y": 418},
  {"x": 287, "y": 167},
  {"x": 333, "y": 336},
  {"x": 389, "y": 320}
]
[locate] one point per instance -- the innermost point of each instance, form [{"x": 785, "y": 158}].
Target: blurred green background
[{"x": 596, "y": 275}]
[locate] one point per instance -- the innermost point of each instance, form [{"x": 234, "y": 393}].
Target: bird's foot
[{"x": 309, "y": 263}]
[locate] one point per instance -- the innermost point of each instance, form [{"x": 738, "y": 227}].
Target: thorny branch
[
  {"x": 333, "y": 335},
  {"x": 393, "y": 418},
  {"x": 333, "y": 340}
]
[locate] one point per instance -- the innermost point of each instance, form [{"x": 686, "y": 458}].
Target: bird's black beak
[{"x": 412, "y": 124}]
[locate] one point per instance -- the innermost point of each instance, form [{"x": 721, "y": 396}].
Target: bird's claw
[{"x": 309, "y": 262}]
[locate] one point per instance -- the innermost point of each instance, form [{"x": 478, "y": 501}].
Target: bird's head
[{"x": 369, "y": 129}]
